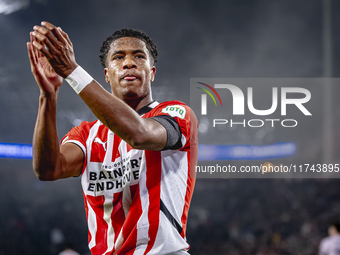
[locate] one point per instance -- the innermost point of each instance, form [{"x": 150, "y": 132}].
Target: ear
[
  {"x": 153, "y": 72},
  {"x": 106, "y": 75}
]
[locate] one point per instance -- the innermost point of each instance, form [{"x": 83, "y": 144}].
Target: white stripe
[
  {"x": 127, "y": 198},
  {"x": 154, "y": 104},
  {"x": 174, "y": 181},
  {"x": 119, "y": 242},
  {"x": 164, "y": 243},
  {"x": 183, "y": 140},
  {"x": 77, "y": 143},
  {"x": 91, "y": 221},
  {"x": 108, "y": 207},
  {"x": 109, "y": 148},
  {"x": 92, "y": 135},
  {"x": 173, "y": 191},
  {"x": 108, "y": 203}
]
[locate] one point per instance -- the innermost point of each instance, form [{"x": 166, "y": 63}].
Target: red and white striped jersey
[{"x": 130, "y": 216}]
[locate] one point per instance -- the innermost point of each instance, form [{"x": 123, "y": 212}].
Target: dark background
[{"x": 238, "y": 39}]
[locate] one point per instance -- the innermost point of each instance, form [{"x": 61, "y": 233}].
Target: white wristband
[{"x": 79, "y": 79}]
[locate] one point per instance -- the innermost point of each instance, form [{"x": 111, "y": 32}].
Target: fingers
[
  {"x": 48, "y": 25},
  {"x": 50, "y": 36},
  {"x": 57, "y": 32},
  {"x": 43, "y": 41},
  {"x": 31, "y": 56},
  {"x": 32, "y": 52},
  {"x": 54, "y": 30},
  {"x": 56, "y": 47},
  {"x": 37, "y": 53},
  {"x": 40, "y": 46},
  {"x": 65, "y": 36},
  {"x": 45, "y": 36}
]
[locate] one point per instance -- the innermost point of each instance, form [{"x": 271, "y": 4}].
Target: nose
[{"x": 129, "y": 63}]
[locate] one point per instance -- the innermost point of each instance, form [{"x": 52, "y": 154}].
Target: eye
[
  {"x": 117, "y": 57},
  {"x": 140, "y": 56}
]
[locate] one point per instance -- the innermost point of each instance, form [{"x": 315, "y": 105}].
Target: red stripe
[
  {"x": 84, "y": 167},
  {"x": 97, "y": 150},
  {"x": 130, "y": 225},
  {"x": 133, "y": 190},
  {"x": 118, "y": 215},
  {"x": 91, "y": 124},
  {"x": 115, "y": 152},
  {"x": 97, "y": 204},
  {"x": 89, "y": 237},
  {"x": 153, "y": 184},
  {"x": 188, "y": 196},
  {"x": 192, "y": 156}
]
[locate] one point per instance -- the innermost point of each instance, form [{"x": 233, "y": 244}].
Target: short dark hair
[{"x": 128, "y": 32}]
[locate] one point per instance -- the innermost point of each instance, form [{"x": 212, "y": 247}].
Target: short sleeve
[{"x": 78, "y": 135}]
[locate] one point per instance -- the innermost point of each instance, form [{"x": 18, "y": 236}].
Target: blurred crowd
[{"x": 262, "y": 217}]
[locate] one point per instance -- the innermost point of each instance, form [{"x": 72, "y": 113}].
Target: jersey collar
[{"x": 147, "y": 108}]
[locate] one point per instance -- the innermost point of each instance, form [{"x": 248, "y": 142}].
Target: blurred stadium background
[{"x": 218, "y": 38}]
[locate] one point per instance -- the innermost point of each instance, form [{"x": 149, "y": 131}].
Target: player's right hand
[
  {"x": 48, "y": 80},
  {"x": 56, "y": 46}
]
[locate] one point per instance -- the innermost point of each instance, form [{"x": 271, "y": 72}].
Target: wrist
[
  {"x": 79, "y": 79},
  {"x": 49, "y": 95},
  {"x": 68, "y": 72}
]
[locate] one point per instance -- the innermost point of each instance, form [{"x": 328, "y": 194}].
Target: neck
[{"x": 139, "y": 103}]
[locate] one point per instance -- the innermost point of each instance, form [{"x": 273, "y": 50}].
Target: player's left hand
[
  {"x": 57, "y": 48},
  {"x": 48, "y": 81}
]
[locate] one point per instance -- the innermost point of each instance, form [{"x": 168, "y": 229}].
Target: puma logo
[{"x": 97, "y": 140}]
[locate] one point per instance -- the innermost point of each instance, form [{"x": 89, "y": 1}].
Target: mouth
[{"x": 130, "y": 78}]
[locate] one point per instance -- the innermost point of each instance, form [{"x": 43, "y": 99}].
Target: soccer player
[
  {"x": 134, "y": 138},
  {"x": 331, "y": 245}
]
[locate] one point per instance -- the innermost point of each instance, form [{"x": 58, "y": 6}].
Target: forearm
[
  {"x": 121, "y": 119},
  {"x": 45, "y": 139}
]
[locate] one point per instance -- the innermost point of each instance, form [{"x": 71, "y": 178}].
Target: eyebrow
[{"x": 122, "y": 52}]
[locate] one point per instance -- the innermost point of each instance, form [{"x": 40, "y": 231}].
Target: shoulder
[
  {"x": 325, "y": 242},
  {"x": 88, "y": 124},
  {"x": 334, "y": 239},
  {"x": 174, "y": 108},
  {"x": 80, "y": 132},
  {"x": 172, "y": 102}
]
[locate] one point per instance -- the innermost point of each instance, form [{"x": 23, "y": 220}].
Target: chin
[{"x": 131, "y": 95}]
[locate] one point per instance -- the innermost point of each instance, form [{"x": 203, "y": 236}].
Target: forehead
[{"x": 128, "y": 44}]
